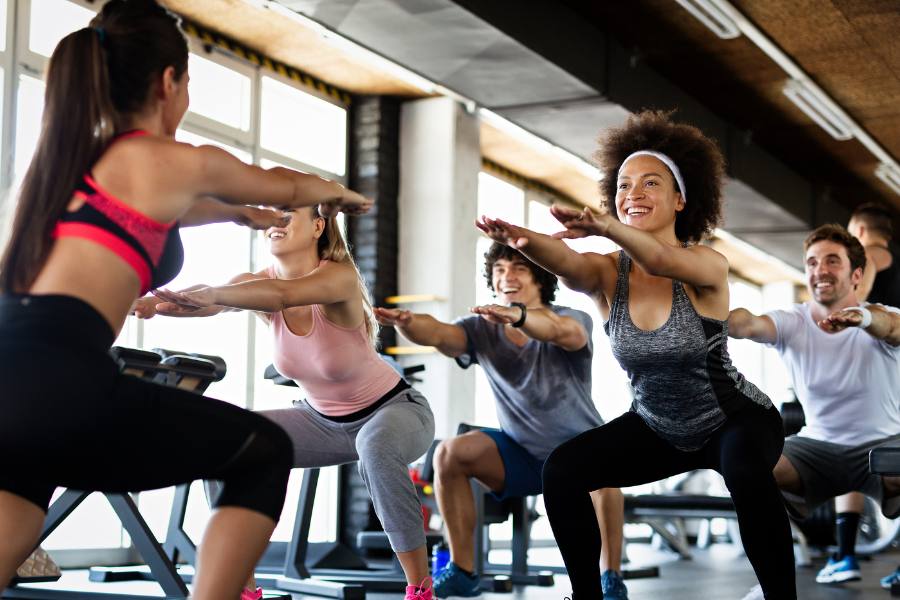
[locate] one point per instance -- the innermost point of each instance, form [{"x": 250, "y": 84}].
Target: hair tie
[
  {"x": 101, "y": 33},
  {"x": 676, "y": 173}
]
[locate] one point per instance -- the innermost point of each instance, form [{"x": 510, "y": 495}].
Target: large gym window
[
  {"x": 302, "y": 126},
  {"x": 219, "y": 93},
  {"x": 51, "y": 20},
  {"x": 30, "y": 104}
]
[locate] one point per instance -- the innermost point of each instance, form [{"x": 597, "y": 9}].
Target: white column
[{"x": 440, "y": 158}]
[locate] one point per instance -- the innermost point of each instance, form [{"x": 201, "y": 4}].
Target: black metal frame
[
  {"x": 162, "y": 569},
  {"x": 517, "y": 572}
]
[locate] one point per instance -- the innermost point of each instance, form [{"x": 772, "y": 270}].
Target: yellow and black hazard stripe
[{"x": 217, "y": 40}]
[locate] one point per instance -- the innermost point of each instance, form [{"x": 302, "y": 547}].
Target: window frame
[{"x": 233, "y": 136}]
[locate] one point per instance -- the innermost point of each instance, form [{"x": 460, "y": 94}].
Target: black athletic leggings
[
  {"x": 69, "y": 418},
  {"x": 626, "y": 452}
]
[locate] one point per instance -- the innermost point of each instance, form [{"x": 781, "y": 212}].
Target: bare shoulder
[
  {"x": 339, "y": 279},
  {"x": 336, "y": 268},
  {"x": 606, "y": 264},
  {"x": 603, "y": 260},
  {"x": 151, "y": 173},
  {"x": 165, "y": 161},
  {"x": 708, "y": 253}
]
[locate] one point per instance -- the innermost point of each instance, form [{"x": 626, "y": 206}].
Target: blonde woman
[{"x": 358, "y": 408}]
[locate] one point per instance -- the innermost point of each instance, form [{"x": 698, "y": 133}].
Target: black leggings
[
  {"x": 627, "y": 452},
  {"x": 69, "y": 418}
]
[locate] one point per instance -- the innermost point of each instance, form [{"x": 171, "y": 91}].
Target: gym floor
[{"x": 715, "y": 574}]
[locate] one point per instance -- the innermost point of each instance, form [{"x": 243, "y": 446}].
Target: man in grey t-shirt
[{"x": 537, "y": 358}]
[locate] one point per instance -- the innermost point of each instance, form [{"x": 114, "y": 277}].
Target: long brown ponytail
[{"x": 97, "y": 77}]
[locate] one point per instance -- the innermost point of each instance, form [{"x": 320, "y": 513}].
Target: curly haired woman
[{"x": 666, "y": 299}]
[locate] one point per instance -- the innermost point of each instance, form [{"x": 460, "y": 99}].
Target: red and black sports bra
[{"x": 153, "y": 249}]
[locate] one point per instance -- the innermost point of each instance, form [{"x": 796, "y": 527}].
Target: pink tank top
[{"x": 337, "y": 366}]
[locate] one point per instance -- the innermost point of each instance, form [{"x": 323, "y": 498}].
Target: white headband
[{"x": 666, "y": 161}]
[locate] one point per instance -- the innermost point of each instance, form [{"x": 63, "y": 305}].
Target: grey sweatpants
[{"x": 384, "y": 443}]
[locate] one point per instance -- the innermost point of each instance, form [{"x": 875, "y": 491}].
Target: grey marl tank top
[{"x": 685, "y": 386}]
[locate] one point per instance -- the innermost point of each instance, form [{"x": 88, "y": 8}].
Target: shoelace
[{"x": 421, "y": 589}]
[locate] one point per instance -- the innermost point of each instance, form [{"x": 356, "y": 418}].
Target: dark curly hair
[
  {"x": 698, "y": 158},
  {"x": 837, "y": 234},
  {"x": 546, "y": 280}
]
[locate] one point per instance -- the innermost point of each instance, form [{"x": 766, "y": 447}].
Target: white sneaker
[{"x": 755, "y": 594}]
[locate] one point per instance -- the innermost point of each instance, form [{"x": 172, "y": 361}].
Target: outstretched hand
[
  {"x": 262, "y": 218},
  {"x": 841, "y": 320},
  {"x": 392, "y": 316},
  {"x": 502, "y": 232},
  {"x": 350, "y": 203},
  {"x": 202, "y": 297},
  {"x": 497, "y": 313},
  {"x": 580, "y": 223}
]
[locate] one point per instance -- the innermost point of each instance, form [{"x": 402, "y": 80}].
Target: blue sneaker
[
  {"x": 891, "y": 579},
  {"x": 839, "y": 571},
  {"x": 454, "y": 582},
  {"x": 613, "y": 586}
]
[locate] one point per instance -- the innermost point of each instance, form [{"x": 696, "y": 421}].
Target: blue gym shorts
[{"x": 523, "y": 471}]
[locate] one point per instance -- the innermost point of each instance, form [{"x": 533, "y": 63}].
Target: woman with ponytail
[
  {"x": 96, "y": 226},
  {"x": 357, "y": 407}
]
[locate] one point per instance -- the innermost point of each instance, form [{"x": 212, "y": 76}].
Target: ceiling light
[
  {"x": 890, "y": 175},
  {"x": 714, "y": 19},
  {"x": 818, "y": 109}
]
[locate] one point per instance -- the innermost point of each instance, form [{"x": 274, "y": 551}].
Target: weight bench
[
  {"x": 655, "y": 509},
  {"x": 193, "y": 372},
  {"x": 885, "y": 460}
]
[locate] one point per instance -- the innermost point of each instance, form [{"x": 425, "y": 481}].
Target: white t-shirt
[{"x": 847, "y": 382}]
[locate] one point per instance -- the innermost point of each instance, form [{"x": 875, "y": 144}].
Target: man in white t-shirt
[{"x": 844, "y": 362}]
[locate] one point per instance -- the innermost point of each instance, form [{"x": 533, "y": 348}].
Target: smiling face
[
  {"x": 513, "y": 281},
  {"x": 645, "y": 194},
  {"x": 829, "y": 275},
  {"x": 300, "y": 235}
]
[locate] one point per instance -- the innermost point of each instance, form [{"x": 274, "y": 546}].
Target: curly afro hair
[
  {"x": 546, "y": 280},
  {"x": 698, "y": 158}
]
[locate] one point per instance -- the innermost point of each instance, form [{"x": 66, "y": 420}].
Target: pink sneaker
[
  {"x": 248, "y": 594},
  {"x": 419, "y": 592}
]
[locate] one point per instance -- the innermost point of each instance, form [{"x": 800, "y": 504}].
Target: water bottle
[{"x": 440, "y": 557}]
